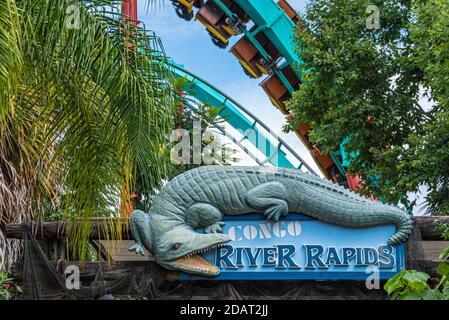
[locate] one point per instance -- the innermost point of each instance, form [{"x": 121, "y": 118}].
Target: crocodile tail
[
  {"x": 403, "y": 222},
  {"x": 342, "y": 207}
]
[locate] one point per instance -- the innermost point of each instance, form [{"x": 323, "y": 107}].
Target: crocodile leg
[
  {"x": 205, "y": 215},
  {"x": 269, "y": 197},
  {"x": 140, "y": 230}
]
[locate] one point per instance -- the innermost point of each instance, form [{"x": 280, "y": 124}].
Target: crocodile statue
[{"x": 200, "y": 197}]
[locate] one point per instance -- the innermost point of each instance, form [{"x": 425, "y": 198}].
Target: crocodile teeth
[
  {"x": 200, "y": 251},
  {"x": 198, "y": 264}
]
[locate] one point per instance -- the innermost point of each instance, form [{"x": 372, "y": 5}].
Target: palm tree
[{"x": 85, "y": 102}]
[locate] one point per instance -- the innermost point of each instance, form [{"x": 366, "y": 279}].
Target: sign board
[{"x": 302, "y": 248}]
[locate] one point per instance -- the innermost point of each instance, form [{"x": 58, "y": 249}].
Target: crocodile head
[{"x": 181, "y": 249}]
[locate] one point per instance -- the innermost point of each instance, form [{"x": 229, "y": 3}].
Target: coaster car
[
  {"x": 217, "y": 23},
  {"x": 276, "y": 90},
  {"x": 251, "y": 59},
  {"x": 184, "y": 8},
  {"x": 278, "y": 94}
]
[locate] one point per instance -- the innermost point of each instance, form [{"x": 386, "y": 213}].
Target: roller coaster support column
[{"x": 129, "y": 9}]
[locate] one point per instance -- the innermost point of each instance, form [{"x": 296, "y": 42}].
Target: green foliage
[
  {"x": 428, "y": 156},
  {"x": 207, "y": 116},
  {"x": 88, "y": 254},
  {"x": 444, "y": 254},
  {"x": 413, "y": 285},
  {"x": 365, "y": 85},
  {"x": 191, "y": 112},
  {"x": 81, "y": 110},
  {"x": 407, "y": 284},
  {"x": 8, "y": 288},
  {"x": 443, "y": 228}
]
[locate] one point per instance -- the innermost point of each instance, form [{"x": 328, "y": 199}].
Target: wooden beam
[
  {"x": 101, "y": 229},
  {"x": 427, "y": 225},
  {"x": 111, "y": 270}
]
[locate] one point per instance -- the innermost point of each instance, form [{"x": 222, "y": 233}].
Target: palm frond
[
  {"x": 10, "y": 56},
  {"x": 95, "y": 104}
]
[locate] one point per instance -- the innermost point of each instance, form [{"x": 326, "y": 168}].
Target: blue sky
[{"x": 189, "y": 44}]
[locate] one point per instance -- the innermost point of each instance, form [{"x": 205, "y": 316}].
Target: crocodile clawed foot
[
  {"x": 214, "y": 228},
  {"x": 276, "y": 212},
  {"x": 137, "y": 248}
]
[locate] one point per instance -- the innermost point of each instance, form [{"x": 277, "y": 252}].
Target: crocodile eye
[{"x": 176, "y": 246}]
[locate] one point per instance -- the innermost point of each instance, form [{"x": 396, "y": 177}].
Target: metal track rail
[{"x": 253, "y": 130}]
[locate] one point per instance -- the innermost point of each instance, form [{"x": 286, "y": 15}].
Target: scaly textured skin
[{"x": 200, "y": 197}]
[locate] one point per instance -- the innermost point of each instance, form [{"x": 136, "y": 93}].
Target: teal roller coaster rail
[
  {"x": 273, "y": 149},
  {"x": 268, "y": 18},
  {"x": 276, "y": 25},
  {"x": 279, "y": 28},
  {"x": 272, "y": 20}
]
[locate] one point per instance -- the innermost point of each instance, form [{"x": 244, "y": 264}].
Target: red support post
[{"x": 129, "y": 9}]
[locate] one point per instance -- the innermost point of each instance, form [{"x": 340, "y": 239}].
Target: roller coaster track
[
  {"x": 271, "y": 148},
  {"x": 266, "y": 47}
]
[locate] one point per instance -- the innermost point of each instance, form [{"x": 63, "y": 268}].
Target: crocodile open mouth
[{"x": 193, "y": 262}]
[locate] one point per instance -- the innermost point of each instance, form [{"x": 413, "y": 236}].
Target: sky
[{"x": 189, "y": 44}]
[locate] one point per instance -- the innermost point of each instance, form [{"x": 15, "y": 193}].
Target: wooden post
[{"x": 61, "y": 249}]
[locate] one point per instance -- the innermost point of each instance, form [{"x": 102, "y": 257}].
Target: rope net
[{"x": 43, "y": 281}]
